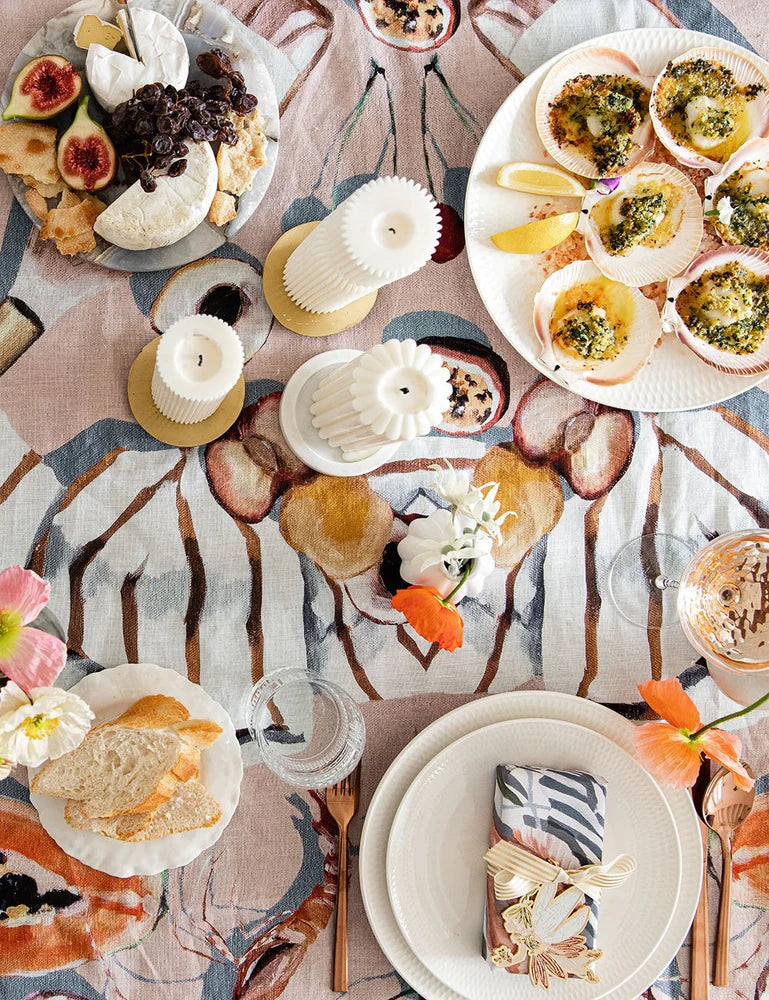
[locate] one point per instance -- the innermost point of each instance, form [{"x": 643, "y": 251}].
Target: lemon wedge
[
  {"x": 539, "y": 178},
  {"x": 534, "y": 237}
]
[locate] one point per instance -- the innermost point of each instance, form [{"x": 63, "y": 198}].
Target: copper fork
[{"x": 342, "y": 802}]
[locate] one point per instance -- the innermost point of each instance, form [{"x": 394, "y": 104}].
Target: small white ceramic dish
[{"x": 110, "y": 692}]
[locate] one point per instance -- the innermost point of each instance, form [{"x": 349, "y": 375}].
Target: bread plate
[
  {"x": 675, "y": 378},
  {"x": 109, "y": 692}
]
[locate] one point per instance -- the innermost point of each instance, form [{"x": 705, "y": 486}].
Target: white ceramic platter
[
  {"x": 110, "y": 692},
  {"x": 675, "y": 379},
  {"x": 436, "y": 875},
  {"x": 441, "y": 734},
  {"x": 204, "y": 24}
]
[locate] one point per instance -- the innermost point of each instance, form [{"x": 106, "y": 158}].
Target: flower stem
[
  {"x": 732, "y": 715},
  {"x": 465, "y": 574}
]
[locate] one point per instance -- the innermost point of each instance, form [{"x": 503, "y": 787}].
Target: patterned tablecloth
[{"x": 225, "y": 563}]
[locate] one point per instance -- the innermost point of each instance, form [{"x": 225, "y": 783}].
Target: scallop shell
[
  {"x": 754, "y": 151},
  {"x": 644, "y": 333},
  {"x": 733, "y": 364},
  {"x": 642, "y": 265},
  {"x": 745, "y": 72},
  {"x": 593, "y": 61}
]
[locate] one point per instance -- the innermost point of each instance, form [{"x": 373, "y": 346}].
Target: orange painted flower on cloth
[
  {"x": 672, "y": 749},
  {"x": 433, "y": 617}
]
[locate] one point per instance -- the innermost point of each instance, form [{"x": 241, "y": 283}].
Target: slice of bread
[
  {"x": 120, "y": 769},
  {"x": 156, "y": 711},
  {"x": 189, "y": 808}
]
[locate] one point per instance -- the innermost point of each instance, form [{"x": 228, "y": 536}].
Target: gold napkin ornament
[{"x": 545, "y": 923}]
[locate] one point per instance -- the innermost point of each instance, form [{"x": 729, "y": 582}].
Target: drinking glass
[
  {"x": 309, "y": 731},
  {"x": 720, "y": 596}
]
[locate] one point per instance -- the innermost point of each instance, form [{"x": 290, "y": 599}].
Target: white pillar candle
[
  {"x": 199, "y": 360},
  {"x": 385, "y": 230},
  {"x": 393, "y": 392}
]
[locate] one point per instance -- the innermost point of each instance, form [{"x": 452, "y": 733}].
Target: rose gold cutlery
[
  {"x": 699, "y": 986},
  {"x": 342, "y": 802},
  {"x": 724, "y": 808}
]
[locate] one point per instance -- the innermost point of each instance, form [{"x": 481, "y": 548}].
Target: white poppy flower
[{"x": 45, "y": 724}]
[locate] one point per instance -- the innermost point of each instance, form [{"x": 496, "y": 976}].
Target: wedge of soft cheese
[
  {"x": 114, "y": 76},
  {"x": 142, "y": 220},
  {"x": 91, "y": 30}
]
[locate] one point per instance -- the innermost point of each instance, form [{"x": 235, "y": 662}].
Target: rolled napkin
[{"x": 545, "y": 873}]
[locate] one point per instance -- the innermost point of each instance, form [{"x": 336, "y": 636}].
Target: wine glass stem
[{"x": 665, "y": 583}]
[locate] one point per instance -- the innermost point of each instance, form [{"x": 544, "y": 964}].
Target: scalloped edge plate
[{"x": 110, "y": 692}]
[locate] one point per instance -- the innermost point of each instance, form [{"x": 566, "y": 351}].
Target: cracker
[
  {"x": 46, "y": 190},
  {"x": 223, "y": 209},
  {"x": 37, "y": 203},
  {"x": 70, "y": 224},
  {"x": 29, "y": 149},
  {"x": 238, "y": 165}
]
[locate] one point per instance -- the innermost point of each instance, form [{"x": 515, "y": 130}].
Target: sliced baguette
[
  {"x": 189, "y": 808},
  {"x": 120, "y": 769},
  {"x": 156, "y": 711}
]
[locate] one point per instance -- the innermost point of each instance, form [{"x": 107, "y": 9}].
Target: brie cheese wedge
[
  {"x": 114, "y": 76},
  {"x": 142, "y": 220}
]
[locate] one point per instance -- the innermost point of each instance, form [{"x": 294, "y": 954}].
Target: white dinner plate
[
  {"x": 109, "y": 693},
  {"x": 436, "y": 875},
  {"x": 441, "y": 734},
  {"x": 675, "y": 379}
]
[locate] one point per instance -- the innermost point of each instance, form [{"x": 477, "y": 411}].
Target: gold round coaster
[
  {"x": 292, "y": 316},
  {"x": 168, "y": 431}
]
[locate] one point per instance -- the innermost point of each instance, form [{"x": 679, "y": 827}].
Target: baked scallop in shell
[
  {"x": 593, "y": 329},
  {"x": 737, "y": 197},
  {"x": 706, "y": 103},
  {"x": 592, "y": 113},
  {"x": 645, "y": 229},
  {"x": 719, "y": 308}
]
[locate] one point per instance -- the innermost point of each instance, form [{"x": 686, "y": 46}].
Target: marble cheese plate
[{"x": 204, "y": 24}]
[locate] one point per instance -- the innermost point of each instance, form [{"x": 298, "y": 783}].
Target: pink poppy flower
[{"x": 28, "y": 656}]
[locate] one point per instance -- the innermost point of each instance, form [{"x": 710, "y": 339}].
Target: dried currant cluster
[{"x": 150, "y": 129}]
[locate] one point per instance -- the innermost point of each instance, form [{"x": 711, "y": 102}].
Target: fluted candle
[
  {"x": 199, "y": 360},
  {"x": 393, "y": 392},
  {"x": 387, "y": 229}
]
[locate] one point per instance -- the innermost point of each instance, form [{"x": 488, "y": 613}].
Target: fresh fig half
[
  {"x": 589, "y": 444},
  {"x": 43, "y": 88},
  {"x": 86, "y": 156},
  {"x": 252, "y": 465},
  {"x": 479, "y": 385}
]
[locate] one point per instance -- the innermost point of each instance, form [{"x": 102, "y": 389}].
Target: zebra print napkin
[{"x": 558, "y": 816}]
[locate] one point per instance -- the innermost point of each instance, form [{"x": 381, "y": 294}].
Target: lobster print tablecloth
[{"x": 230, "y": 561}]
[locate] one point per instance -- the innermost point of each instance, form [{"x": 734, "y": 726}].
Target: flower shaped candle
[
  {"x": 199, "y": 360},
  {"x": 394, "y": 392},
  {"x": 389, "y": 228}
]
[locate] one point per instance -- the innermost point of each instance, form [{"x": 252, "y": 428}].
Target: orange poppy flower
[
  {"x": 432, "y": 616},
  {"x": 672, "y": 749}
]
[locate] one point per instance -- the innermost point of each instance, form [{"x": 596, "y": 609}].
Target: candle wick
[
  {"x": 200, "y": 360},
  {"x": 404, "y": 390},
  {"x": 391, "y": 230}
]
